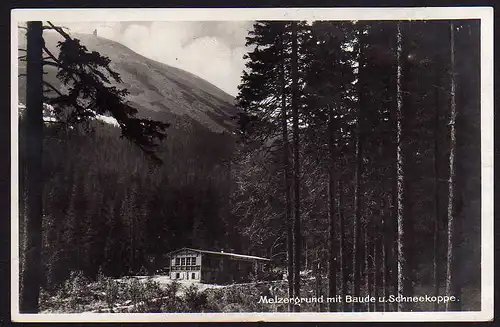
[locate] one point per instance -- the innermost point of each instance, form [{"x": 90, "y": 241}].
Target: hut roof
[{"x": 222, "y": 253}]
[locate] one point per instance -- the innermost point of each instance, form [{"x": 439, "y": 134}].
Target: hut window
[
  {"x": 193, "y": 276},
  {"x": 183, "y": 261},
  {"x": 177, "y": 275},
  {"x": 177, "y": 261}
]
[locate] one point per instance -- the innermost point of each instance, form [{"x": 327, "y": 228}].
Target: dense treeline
[
  {"x": 106, "y": 206},
  {"x": 388, "y": 146}
]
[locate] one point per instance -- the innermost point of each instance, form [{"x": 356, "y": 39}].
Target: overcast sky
[{"x": 212, "y": 50}]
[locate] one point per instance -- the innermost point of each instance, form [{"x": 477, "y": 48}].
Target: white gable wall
[{"x": 185, "y": 271}]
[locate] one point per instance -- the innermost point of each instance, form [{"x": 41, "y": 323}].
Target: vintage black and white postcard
[{"x": 313, "y": 164}]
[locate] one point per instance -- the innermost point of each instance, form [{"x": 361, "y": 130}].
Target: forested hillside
[{"x": 106, "y": 205}]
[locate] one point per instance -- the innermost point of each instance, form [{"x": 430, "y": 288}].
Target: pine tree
[
  {"x": 331, "y": 87},
  {"x": 265, "y": 94},
  {"x": 262, "y": 95},
  {"x": 87, "y": 76}
]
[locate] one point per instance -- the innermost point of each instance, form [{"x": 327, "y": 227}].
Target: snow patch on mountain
[
  {"x": 107, "y": 120},
  {"x": 49, "y": 115}
]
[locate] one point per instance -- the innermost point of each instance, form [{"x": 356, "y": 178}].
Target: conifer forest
[{"x": 350, "y": 157}]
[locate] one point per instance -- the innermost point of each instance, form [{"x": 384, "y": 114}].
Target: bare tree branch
[
  {"x": 53, "y": 88},
  {"x": 45, "y": 27},
  {"x": 59, "y": 30},
  {"x": 50, "y": 55}
]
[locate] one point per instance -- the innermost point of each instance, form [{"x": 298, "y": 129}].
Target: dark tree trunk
[
  {"x": 296, "y": 173},
  {"x": 319, "y": 282},
  {"x": 387, "y": 232},
  {"x": 451, "y": 179},
  {"x": 332, "y": 267},
  {"x": 366, "y": 254},
  {"x": 356, "y": 248},
  {"x": 407, "y": 145},
  {"x": 286, "y": 168},
  {"x": 392, "y": 239},
  {"x": 435, "y": 257},
  {"x": 401, "y": 258},
  {"x": 132, "y": 245},
  {"x": 384, "y": 262},
  {"x": 375, "y": 249},
  {"x": 31, "y": 274},
  {"x": 388, "y": 213},
  {"x": 343, "y": 271}
]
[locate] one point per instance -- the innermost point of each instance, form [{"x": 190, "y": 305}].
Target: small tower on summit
[{"x": 95, "y": 32}]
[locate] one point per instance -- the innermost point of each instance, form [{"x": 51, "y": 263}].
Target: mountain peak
[{"x": 157, "y": 90}]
